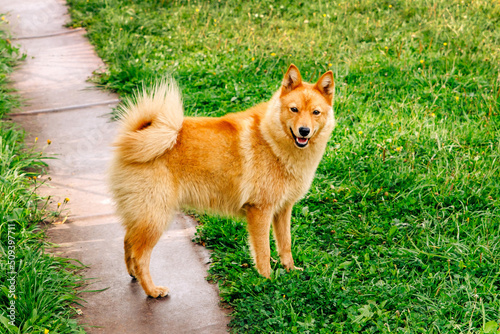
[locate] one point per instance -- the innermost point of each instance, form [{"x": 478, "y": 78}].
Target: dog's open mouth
[{"x": 300, "y": 141}]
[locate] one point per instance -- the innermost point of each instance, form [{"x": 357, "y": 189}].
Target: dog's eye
[
  {"x": 316, "y": 112},
  {"x": 293, "y": 109}
]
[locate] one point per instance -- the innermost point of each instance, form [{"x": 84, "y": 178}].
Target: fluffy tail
[{"x": 150, "y": 123}]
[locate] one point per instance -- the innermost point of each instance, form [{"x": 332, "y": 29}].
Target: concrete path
[{"x": 61, "y": 106}]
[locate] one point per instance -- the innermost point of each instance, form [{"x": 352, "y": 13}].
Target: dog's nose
[{"x": 304, "y": 131}]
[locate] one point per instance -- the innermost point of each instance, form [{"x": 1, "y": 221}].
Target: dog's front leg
[
  {"x": 259, "y": 224},
  {"x": 281, "y": 228}
]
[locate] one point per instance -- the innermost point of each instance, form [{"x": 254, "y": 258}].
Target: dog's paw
[
  {"x": 158, "y": 291},
  {"x": 287, "y": 262},
  {"x": 265, "y": 271}
]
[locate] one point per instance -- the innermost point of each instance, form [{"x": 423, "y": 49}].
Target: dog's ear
[
  {"x": 291, "y": 80},
  {"x": 326, "y": 86}
]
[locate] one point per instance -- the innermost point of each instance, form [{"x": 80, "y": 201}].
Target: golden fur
[{"x": 255, "y": 163}]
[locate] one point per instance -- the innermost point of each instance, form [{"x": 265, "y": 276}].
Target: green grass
[
  {"x": 400, "y": 230},
  {"x": 37, "y": 289}
]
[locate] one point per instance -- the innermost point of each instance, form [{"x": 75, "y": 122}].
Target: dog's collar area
[{"x": 301, "y": 142}]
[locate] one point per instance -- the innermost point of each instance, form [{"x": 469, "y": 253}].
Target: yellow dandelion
[
  {"x": 387, "y": 48},
  {"x": 36, "y": 139},
  {"x": 49, "y": 141},
  {"x": 66, "y": 200},
  {"x": 121, "y": 29},
  {"x": 131, "y": 18},
  {"x": 421, "y": 61},
  {"x": 445, "y": 43},
  {"x": 324, "y": 15},
  {"x": 392, "y": 124},
  {"x": 197, "y": 10},
  {"x": 3, "y": 18},
  {"x": 457, "y": 98},
  {"x": 15, "y": 297},
  {"x": 360, "y": 132},
  {"x": 58, "y": 204},
  {"x": 390, "y": 6},
  {"x": 433, "y": 115},
  {"x": 215, "y": 20},
  {"x": 343, "y": 288},
  {"x": 46, "y": 331},
  {"x": 398, "y": 149},
  {"x": 273, "y": 54},
  {"x": 329, "y": 64},
  {"x": 34, "y": 178}
]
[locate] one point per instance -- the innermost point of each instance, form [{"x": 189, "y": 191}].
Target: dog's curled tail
[{"x": 150, "y": 122}]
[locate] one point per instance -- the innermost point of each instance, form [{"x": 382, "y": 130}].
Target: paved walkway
[{"x": 60, "y": 105}]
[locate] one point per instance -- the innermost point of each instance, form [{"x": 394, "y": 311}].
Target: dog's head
[{"x": 306, "y": 109}]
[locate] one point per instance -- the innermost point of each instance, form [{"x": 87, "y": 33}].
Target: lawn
[
  {"x": 37, "y": 290},
  {"x": 400, "y": 230}
]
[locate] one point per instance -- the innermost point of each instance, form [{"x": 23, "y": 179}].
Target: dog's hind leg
[
  {"x": 140, "y": 240},
  {"x": 129, "y": 259}
]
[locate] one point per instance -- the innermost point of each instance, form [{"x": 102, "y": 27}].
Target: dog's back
[{"x": 206, "y": 165}]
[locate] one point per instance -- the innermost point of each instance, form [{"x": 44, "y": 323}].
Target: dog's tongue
[{"x": 302, "y": 140}]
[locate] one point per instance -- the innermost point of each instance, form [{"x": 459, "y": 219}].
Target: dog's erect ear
[
  {"x": 291, "y": 80},
  {"x": 326, "y": 86}
]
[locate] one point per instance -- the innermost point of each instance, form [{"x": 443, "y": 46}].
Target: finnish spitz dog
[{"x": 255, "y": 163}]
